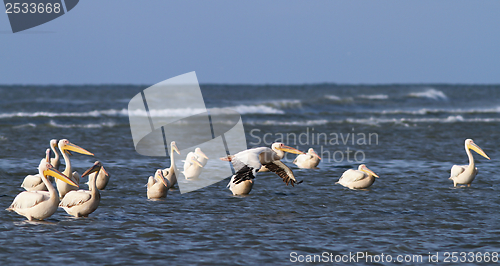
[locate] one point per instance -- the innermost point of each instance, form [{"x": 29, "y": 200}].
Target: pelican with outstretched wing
[
  {"x": 358, "y": 179},
  {"x": 248, "y": 162},
  {"x": 465, "y": 174},
  {"x": 40, "y": 204}
]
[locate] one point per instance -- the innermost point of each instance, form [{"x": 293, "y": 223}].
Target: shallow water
[{"x": 412, "y": 209}]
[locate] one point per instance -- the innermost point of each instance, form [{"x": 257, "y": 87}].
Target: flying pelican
[
  {"x": 102, "y": 178},
  {"x": 34, "y": 182},
  {"x": 248, "y": 162},
  {"x": 465, "y": 174},
  {"x": 65, "y": 146},
  {"x": 81, "y": 203},
  {"x": 40, "y": 204},
  {"x": 169, "y": 173},
  {"x": 192, "y": 167},
  {"x": 358, "y": 179},
  {"x": 281, "y": 155},
  {"x": 158, "y": 185},
  {"x": 309, "y": 160}
]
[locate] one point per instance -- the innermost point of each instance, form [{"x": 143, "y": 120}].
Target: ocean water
[{"x": 410, "y": 135}]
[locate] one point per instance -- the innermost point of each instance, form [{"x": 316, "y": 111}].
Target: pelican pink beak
[
  {"x": 194, "y": 161},
  {"x": 313, "y": 152},
  {"x": 368, "y": 171}
]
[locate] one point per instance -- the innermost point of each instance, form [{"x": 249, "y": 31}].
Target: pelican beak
[
  {"x": 290, "y": 150},
  {"x": 368, "y": 171},
  {"x": 75, "y": 148},
  {"x": 95, "y": 168},
  {"x": 316, "y": 155},
  {"x": 174, "y": 147},
  {"x": 476, "y": 148},
  {"x": 104, "y": 171},
  {"x": 193, "y": 160},
  {"x": 55, "y": 173},
  {"x": 203, "y": 155},
  {"x": 162, "y": 178}
]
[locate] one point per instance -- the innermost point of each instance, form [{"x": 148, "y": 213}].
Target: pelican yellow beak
[
  {"x": 75, "y": 148},
  {"x": 55, "y": 173},
  {"x": 368, "y": 171},
  {"x": 316, "y": 154},
  {"x": 290, "y": 150},
  {"x": 476, "y": 148},
  {"x": 95, "y": 168},
  {"x": 104, "y": 170},
  {"x": 203, "y": 154},
  {"x": 162, "y": 178},
  {"x": 174, "y": 147},
  {"x": 193, "y": 160}
]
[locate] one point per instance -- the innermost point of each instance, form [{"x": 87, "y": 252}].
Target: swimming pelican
[
  {"x": 40, "y": 204},
  {"x": 102, "y": 178},
  {"x": 81, "y": 203},
  {"x": 309, "y": 160},
  {"x": 169, "y": 173},
  {"x": 201, "y": 157},
  {"x": 34, "y": 182},
  {"x": 158, "y": 185},
  {"x": 465, "y": 174},
  {"x": 192, "y": 167},
  {"x": 56, "y": 161},
  {"x": 358, "y": 179},
  {"x": 248, "y": 162},
  {"x": 65, "y": 146}
]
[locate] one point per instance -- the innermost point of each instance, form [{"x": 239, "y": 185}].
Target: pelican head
[
  {"x": 366, "y": 170},
  {"x": 65, "y": 145},
  {"x": 159, "y": 175},
  {"x": 48, "y": 170},
  {"x": 95, "y": 169},
  {"x": 194, "y": 161},
  {"x": 311, "y": 151},
  {"x": 469, "y": 144},
  {"x": 53, "y": 143},
  {"x": 174, "y": 147},
  {"x": 282, "y": 147},
  {"x": 199, "y": 152}
]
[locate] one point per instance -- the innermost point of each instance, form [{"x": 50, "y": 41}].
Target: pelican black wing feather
[
  {"x": 282, "y": 171},
  {"x": 245, "y": 173}
]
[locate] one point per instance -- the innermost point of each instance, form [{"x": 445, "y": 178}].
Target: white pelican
[
  {"x": 192, "y": 167},
  {"x": 358, "y": 179},
  {"x": 34, "y": 182},
  {"x": 65, "y": 146},
  {"x": 102, "y": 178},
  {"x": 465, "y": 174},
  {"x": 201, "y": 157},
  {"x": 56, "y": 161},
  {"x": 248, "y": 162},
  {"x": 158, "y": 185},
  {"x": 280, "y": 154},
  {"x": 309, "y": 160},
  {"x": 169, "y": 173},
  {"x": 40, "y": 204},
  {"x": 81, "y": 203}
]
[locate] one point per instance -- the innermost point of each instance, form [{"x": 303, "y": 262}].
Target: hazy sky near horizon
[{"x": 256, "y": 42}]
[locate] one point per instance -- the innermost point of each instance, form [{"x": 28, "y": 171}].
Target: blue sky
[{"x": 257, "y": 42}]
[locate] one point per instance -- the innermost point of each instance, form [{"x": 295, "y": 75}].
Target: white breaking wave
[
  {"x": 100, "y": 125},
  {"x": 425, "y": 111},
  {"x": 291, "y": 123},
  {"x": 338, "y": 99},
  {"x": 25, "y": 125},
  {"x": 430, "y": 93},
  {"x": 283, "y": 104},
  {"x": 374, "y": 97},
  {"x": 180, "y": 112}
]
